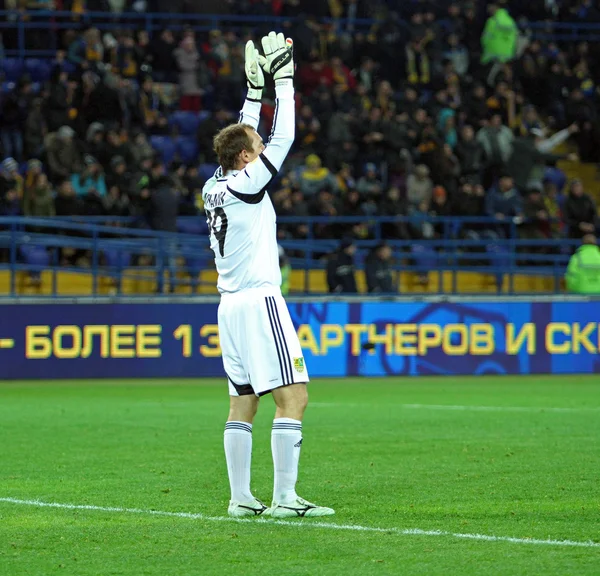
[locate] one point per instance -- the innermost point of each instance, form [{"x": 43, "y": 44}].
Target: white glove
[
  {"x": 279, "y": 56},
  {"x": 254, "y": 74}
]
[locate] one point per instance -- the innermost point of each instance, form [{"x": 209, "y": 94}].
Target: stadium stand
[{"x": 475, "y": 157}]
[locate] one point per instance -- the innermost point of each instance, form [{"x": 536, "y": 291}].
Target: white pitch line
[
  {"x": 468, "y": 408},
  {"x": 305, "y": 524}
]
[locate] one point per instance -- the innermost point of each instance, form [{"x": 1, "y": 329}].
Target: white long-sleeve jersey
[{"x": 241, "y": 218}]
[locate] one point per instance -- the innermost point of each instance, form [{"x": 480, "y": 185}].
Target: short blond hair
[{"x": 229, "y": 142}]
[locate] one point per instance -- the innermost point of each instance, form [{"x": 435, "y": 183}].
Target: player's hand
[
  {"x": 279, "y": 56},
  {"x": 254, "y": 73}
]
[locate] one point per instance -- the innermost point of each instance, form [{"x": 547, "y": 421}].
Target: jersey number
[{"x": 221, "y": 232}]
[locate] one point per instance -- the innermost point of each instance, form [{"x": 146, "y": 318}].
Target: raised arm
[
  {"x": 256, "y": 175},
  {"x": 255, "y": 79}
]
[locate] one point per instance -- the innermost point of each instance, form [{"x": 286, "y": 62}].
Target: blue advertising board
[{"x": 370, "y": 338}]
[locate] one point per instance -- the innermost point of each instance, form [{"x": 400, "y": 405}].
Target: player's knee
[
  {"x": 243, "y": 408},
  {"x": 291, "y": 400}
]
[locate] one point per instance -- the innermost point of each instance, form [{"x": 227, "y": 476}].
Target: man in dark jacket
[
  {"x": 207, "y": 130},
  {"x": 581, "y": 213},
  {"x": 161, "y": 211},
  {"x": 471, "y": 155},
  {"x": 378, "y": 270},
  {"x": 526, "y": 164},
  {"x": 340, "y": 269}
]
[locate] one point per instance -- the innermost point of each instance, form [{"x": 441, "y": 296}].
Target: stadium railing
[
  {"x": 52, "y": 22},
  {"x": 34, "y": 245}
]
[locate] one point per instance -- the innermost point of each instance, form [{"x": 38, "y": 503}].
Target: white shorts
[{"x": 259, "y": 344}]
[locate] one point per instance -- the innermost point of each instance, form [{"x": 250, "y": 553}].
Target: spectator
[
  {"x": 161, "y": 212},
  {"x": 141, "y": 150},
  {"x": 527, "y": 163},
  {"x": 188, "y": 62},
  {"x": 66, "y": 202},
  {"x": 90, "y": 180},
  {"x": 470, "y": 154},
  {"x": 207, "y": 130},
  {"x": 340, "y": 269},
  {"x": 372, "y": 136},
  {"x": 308, "y": 129},
  {"x": 341, "y": 146},
  {"x": 38, "y": 201},
  {"x": 496, "y": 141},
  {"x": 378, "y": 271},
  {"x": 164, "y": 64},
  {"x": 536, "y": 216},
  {"x": 470, "y": 203},
  {"x": 57, "y": 104},
  {"x": 14, "y": 110},
  {"x": 503, "y": 202},
  {"x": 440, "y": 207},
  {"x": 95, "y": 143},
  {"x": 345, "y": 179},
  {"x": 119, "y": 177},
  {"x": 99, "y": 101},
  {"x": 127, "y": 57},
  {"x": 419, "y": 189},
  {"x": 11, "y": 182},
  {"x": 370, "y": 186},
  {"x": 499, "y": 38},
  {"x": 583, "y": 272},
  {"x": 151, "y": 109},
  {"x": 315, "y": 177},
  {"x": 393, "y": 205},
  {"x": 36, "y": 130},
  {"x": 117, "y": 145},
  {"x": 457, "y": 54},
  {"x": 447, "y": 127},
  {"x": 63, "y": 154},
  {"x": 87, "y": 51},
  {"x": 9, "y": 188},
  {"x": 581, "y": 213},
  {"x": 476, "y": 104},
  {"x": 116, "y": 203}
]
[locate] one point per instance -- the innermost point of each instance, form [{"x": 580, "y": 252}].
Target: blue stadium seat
[
  {"x": 206, "y": 171},
  {"x": 192, "y": 226},
  {"x": 34, "y": 255},
  {"x": 165, "y": 146},
  {"x": 117, "y": 258},
  {"x": 39, "y": 70},
  {"x": 194, "y": 263},
  {"x": 185, "y": 122},
  {"x": 187, "y": 149},
  {"x": 499, "y": 258},
  {"x": 12, "y": 68},
  {"x": 556, "y": 176},
  {"x": 203, "y": 115},
  {"x": 425, "y": 258}
]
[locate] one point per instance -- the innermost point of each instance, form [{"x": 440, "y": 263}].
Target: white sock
[
  {"x": 238, "y": 453},
  {"x": 286, "y": 439}
]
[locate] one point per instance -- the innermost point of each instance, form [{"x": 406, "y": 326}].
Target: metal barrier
[{"x": 34, "y": 245}]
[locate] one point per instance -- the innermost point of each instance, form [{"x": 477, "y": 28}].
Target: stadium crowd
[{"x": 439, "y": 109}]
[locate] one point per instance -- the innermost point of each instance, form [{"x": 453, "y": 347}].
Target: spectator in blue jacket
[
  {"x": 90, "y": 180},
  {"x": 503, "y": 201}
]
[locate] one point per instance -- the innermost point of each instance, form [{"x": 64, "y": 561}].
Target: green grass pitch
[{"x": 500, "y": 457}]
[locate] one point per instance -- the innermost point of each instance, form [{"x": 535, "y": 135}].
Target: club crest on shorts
[{"x": 299, "y": 364}]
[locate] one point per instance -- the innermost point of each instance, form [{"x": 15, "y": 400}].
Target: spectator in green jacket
[
  {"x": 583, "y": 272},
  {"x": 499, "y": 38}
]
